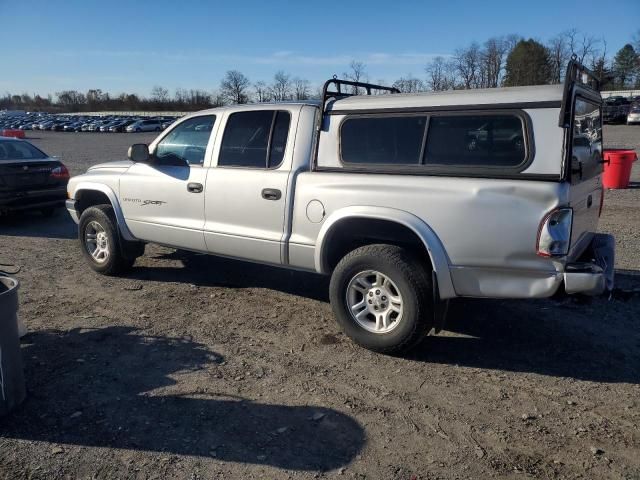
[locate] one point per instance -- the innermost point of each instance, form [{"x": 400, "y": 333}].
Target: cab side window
[
  {"x": 187, "y": 142},
  {"x": 255, "y": 139}
]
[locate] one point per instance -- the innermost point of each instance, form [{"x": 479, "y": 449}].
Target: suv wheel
[
  {"x": 100, "y": 241},
  {"x": 381, "y": 297}
]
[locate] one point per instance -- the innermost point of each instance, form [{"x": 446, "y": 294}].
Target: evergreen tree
[
  {"x": 625, "y": 66},
  {"x": 528, "y": 64}
]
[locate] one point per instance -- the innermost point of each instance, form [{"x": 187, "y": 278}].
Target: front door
[
  {"x": 163, "y": 199},
  {"x": 246, "y": 191}
]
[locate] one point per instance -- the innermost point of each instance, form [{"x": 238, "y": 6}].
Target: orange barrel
[
  {"x": 8, "y": 132},
  {"x": 617, "y": 167}
]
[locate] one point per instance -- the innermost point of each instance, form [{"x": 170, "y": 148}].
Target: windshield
[{"x": 14, "y": 150}]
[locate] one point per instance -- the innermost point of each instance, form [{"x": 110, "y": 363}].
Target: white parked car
[
  {"x": 405, "y": 200},
  {"x": 634, "y": 114},
  {"x": 145, "y": 126}
]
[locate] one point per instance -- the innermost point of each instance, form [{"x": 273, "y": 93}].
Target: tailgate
[{"x": 586, "y": 191}]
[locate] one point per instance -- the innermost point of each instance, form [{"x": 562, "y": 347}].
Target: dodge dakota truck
[{"x": 405, "y": 200}]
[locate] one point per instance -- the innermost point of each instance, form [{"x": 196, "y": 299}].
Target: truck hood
[{"x": 119, "y": 166}]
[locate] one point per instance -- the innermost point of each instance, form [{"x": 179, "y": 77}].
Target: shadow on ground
[
  {"x": 586, "y": 339},
  {"x": 34, "y": 224},
  {"x": 595, "y": 340},
  {"x": 212, "y": 271},
  {"x": 94, "y": 388}
]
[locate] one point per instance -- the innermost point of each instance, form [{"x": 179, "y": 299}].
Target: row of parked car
[
  {"x": 618, "y": 109},
  {"x": 80, "y": 123}
]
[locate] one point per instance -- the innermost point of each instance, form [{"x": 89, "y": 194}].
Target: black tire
[
  {"x": 413, "y": 282},
  {"x": 116, "y": 262}
]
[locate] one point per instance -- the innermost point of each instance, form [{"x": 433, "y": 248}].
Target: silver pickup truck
[{"x": 406, "y": 200}]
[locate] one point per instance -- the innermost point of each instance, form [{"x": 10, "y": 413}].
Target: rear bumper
[
  {"x": 28, "y": 200},
  {"x": 591, "y": 274},
  {"x": 594, "y": 274}
]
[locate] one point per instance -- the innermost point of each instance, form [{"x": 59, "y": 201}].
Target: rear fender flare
[{"x": 431, "y": 242}]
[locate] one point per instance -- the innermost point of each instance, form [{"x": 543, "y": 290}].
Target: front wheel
[
  {"x": 381, "y": 297},
  {"x": 100, "y": 241}
]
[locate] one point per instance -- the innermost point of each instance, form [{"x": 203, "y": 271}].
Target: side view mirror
[{"x": 138, "y": 152}]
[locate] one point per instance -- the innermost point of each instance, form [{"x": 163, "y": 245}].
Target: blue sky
[{"x": 131, "y": 46}]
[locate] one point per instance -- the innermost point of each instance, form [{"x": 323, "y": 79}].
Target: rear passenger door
[{"x": 246, "y": 191}]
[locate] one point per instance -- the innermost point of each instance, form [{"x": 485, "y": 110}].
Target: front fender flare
[
  {"x": 425, "y": 233},
  {"x": 113, "y": 198}
]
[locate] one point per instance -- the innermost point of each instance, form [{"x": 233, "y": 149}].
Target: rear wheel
[
  {"x": 101, "y": 243},
  {"x": 381, "y": 297}
]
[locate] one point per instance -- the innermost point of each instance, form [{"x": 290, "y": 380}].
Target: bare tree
[
  {"x": 217, "y": 99},
  {"x": 559, "y": 54},
  {"x": 301, "y": 88},
  {"x": 492, "y": 62},
  {"x": 409, "y": 84},
  {"x": 441, "y": 74},
  {"x": 159, "y": 94},
  {"x": 262, "y": 92},
  {"x": 357, "y": 73},
  {"x": 599, "y": 60},
  {"x": 581, "y": 45},
  {"x": 436, "y": 76},
  {"x": 70, "y": 98},
  {"x": 234, "y": 87},
  {"x": 281, "y": 86},
  {"x": 510, "y": 42},
  {"x": 467, "y": 63}
]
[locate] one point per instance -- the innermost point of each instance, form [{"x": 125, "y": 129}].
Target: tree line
[
  {"x": 514, "y": 61},
  {"x": 500, "y": 61}
]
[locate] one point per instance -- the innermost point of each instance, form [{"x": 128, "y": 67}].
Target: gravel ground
[{"x": 194, "y": 367}]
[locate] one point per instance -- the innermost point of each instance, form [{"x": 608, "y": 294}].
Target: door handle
[
  {"x": 194, "y": 187},
  {"x": 271, "y": 194}
]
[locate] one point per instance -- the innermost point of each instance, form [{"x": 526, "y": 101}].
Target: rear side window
[
  {"x": 586, "y": 148},
  {"x": 475, "y": 140},
  {"x": 16, "y": 150},
  {"x": 438, "y": 140},
  {"x": 383, "y": 140},
  {"x": 255, "y": 139}
]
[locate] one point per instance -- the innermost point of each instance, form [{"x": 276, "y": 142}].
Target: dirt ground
[{"x": 193, "y": 367}]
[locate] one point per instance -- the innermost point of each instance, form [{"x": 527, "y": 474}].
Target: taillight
[
  {"x": 554, "y": 234},
  {"x": 60, "y": 173}
]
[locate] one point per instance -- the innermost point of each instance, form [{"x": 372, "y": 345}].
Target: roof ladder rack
[{"x": 337, "y": 93}]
